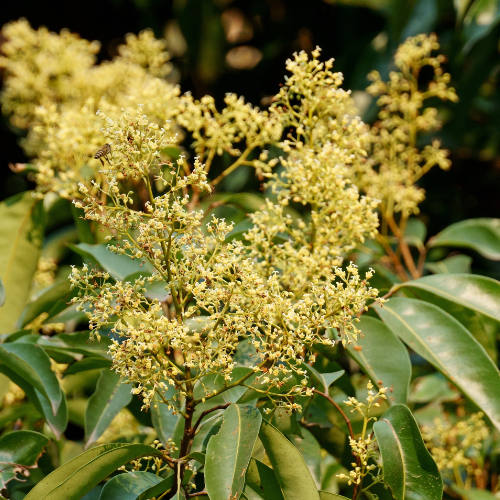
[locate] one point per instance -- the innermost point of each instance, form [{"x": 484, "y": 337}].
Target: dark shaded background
[{"x": 222, "y": 40}]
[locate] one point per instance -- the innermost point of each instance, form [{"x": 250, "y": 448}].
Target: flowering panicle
[
  {"x": 456, "y": 446},
  {"x": 365, "y": 447},
  {"x": 395, "y": 164}
]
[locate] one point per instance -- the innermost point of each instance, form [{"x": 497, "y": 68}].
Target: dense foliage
[{"x": 164, "y": 338}]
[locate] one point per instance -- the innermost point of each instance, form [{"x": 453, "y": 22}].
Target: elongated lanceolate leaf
[
  {"x": 325, "y": 380},
  {"x": 290, "y": 468},
  {"x": 78, "y": 476},
  {"x": 32, "y": 364},
  {"x": 261, "y": 480},
  {"x": 58, "y": 421},
  {"x": 481, "y": 235},
  {"x": 118, "y": 266},
  {"x": 229, "y": 452},
  {"x": 450, "y": 347},
  {"x": 326, "y": 495},
  {"x": 478, "y": 293},
  {"x": 110, "y": 396},
  {"x": 372, "y": 351},
  {"x": 20, "y": 242},
  {"x": 409, "y": 469},
  {"x": 135, "y": 485}
]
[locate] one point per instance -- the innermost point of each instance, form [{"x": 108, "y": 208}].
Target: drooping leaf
[
  {"x": 31, "y": 363},
  {"x": 262, "y": 481},
  {"x": 454, "y": 264},
  {"x": 290, "y": 468},
  {"x": 135, "y": 485},
  {"x": 110, "y": 396},
  {"x": 78, "y": 476},
  {"x": 479, "y": 21},
  {"x": 480, "y": 235},
  {"x": 87, "y": 364},
  {"x": 478, "y": 293},
  {"x": 118, "y": 266},
  {"x": 20, "y": 244},
  {"x": 371, "y": 352},
  {"x": 77, "y": 342},
  {"x": 409, "y": 469},
  {"x": 45, "y": 300},
  {"x": 229, "y": 452},
  {"x": 58, "y": 421},
  {"x": 449, "y": 347}
]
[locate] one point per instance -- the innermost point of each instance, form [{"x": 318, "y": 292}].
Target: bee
[{"x": 103, "y": 153}]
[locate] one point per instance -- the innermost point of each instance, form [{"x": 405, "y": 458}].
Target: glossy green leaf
[
  {"x": 166, "y": 424},
  {"x": 83, "y": 226},
  {"x": 45, "y": 300},
  {"x": 262, "y": 481},
  {"x": 454, "y": 264},
  {"x": 371, "y": 351},
  {"x": 58, "y": 421},
  {"x": 479, "y": 293},
  {"x": 18, "y": 451},
  {"x": 409, "y": 469},
  {"x": 229, "y": 452},
  {"x": 118, "y": 266},
  {"x": 135, "y": 485},
  {"x": 479, "y": 21},
  {"x": 79, "y": 343},
  {"x": 311, "y": 453},
  {"x": 325, "y": 380},
  {"x": 32, "y": 364},
  {"x": 20, "y": 244},
  {"x": 78, "y": 476},
  {"x": 415, "y": 232},
  {"x": 326, "y": 495},
  {"x": 22, "y": 447},
  {"x": 2, "y": 293},
  {"x": 110, "y": 396},
  {"x": 290, "y": 468},
  {"x": 87, "y": 364},
  {"x": 481, "y": 235},
  {"x": 449, "y": 347}
]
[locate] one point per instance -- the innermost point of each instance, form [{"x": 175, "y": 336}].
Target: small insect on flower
[{"x": 103, "y": 153}]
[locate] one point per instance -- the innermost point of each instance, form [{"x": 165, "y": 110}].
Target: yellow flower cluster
[
  {"x": 456, "y": 446},
  {"x": 365, "y": 447},
  {"x": 53, "y": 88},
  {"x": 394, "y": 163},
  {"x": 210, "y": 282}
]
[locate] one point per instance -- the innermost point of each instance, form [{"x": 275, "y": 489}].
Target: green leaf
[
  {"x": 2, "y": 293},
  {"x": 166, "y": 424},
  {"x": 325, "y": 380},
  {"x": 118, "y": 266},
  {"x": 479, "y": 21},
  {"x": 20, "y": 244},
  {"x": 229, "y": 452},
  {"x": 311, "y": 453},
  {"x": 32, "y": 364},
  {"x": 22, "y": 447},
  {"x": 478, "y": 293},
  {"x": 326, "y": 495},
  {"x": 371, "y": 352},
  {"x": 79, "y": 343},
  {"x": 135, "y": 485},
  {"x": 58, "y": 421},
  {"x": 454, "y": 264},
  {"x": 110, "y": 396},
  {"x": 87, "y": 364},
  {"x": 449, "y": 347},
  {"x": 45, "y": 300},
  {"x": 290, "y": 468},
  {"x": 262, "y": 481},
  {"x": 18, "y": 451},
  {"x": 78, "y": 476},
  {"x": 409, "y": 469},
  {"x": 415, "y": 232},
  {"x": 83, "y": 226},
  {"x": 481, "y": 235}
]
